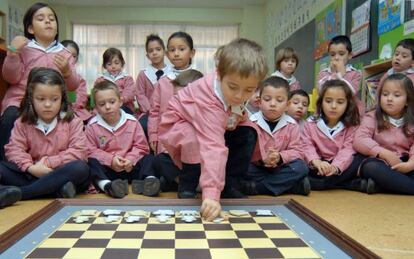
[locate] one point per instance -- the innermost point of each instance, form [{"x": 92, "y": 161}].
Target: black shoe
[
  {"x": 67, "y": 191},
  {"x": 316, "y": 184},
  {"x": 9, "y": 195},
  {"x": 164, "y": 184},
  {"x": 372, "y": 187},
  {"x": 148, "y": 186},
  {"x": 232, "y": 193},
  {"x": 187, "y": 195},
  {"x": 360, "y": 185},
  {"x": 126, "y": 187},
  {"x": 248, "y": 187},
  {"x": 116, "y": 188},
  {"x": 302, "y": 188}
]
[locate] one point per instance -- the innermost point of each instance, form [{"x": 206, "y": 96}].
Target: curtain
[{"x": 130, "y": 39}]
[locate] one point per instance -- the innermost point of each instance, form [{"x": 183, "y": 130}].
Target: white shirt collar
[
  {"x": 52, "y": 48},
  {"x": 407, "y": 71},
  {"x": 101, "y": 122},
  {"x": 114, "y": 78},
  {"x": 327, "y": 130},
  {"x": 283, "y": 121},
  {"x": 46, "y": 128},
  {"x": 150, "y": 73},
  {"x": 290, "y": 80},
  {"x": 396, "y": 122},
  {"x": 173, "y": 73}
]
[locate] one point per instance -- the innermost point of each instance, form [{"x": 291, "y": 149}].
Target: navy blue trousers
[
  {"x": 142, "y": 169},
  {"x": 76, "y": 172},
  {"x": 240, "y": 142},
  {"x": 279, "y": 179},
  {"x": 342, "y": 181},
  {"x": 387, "y": 179}
]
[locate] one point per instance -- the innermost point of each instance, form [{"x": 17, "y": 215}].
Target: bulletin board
[
  {"x": 372, "y": 54},
  {"x": 302, "y": 41}
]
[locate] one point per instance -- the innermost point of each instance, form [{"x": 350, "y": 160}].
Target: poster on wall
[
  {"x": 328, "y": 24},
  {"x": 360, "y": 29},
  {"x": 390, "y": 15}
]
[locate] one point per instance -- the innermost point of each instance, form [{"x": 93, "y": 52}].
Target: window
[{"x": 93, "y": 40}]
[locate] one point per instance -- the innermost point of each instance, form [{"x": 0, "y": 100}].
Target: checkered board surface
[{"x": 249, "y": 236}]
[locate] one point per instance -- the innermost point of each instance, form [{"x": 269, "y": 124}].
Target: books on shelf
[{"x": 372, "y": 83}]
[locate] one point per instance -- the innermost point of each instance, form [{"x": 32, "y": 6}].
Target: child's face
[
  {"x": 108, "y": 105},
  {"x": 155, "y": 52},
  {"x": 393, "y": 99},
  {"x": 237, "y": 90},
  {"x": 44, "y": 25},
  {"x": 288, "y": 66},
  {"x": 254, "y": 101},
  {"x": 114, "y": 66},
  {"x": 402, "y": 59},
  {"x": 273, "y": 102},
  {"x": 339, "y": 53},
  {"x": 179, "y": 53},
  {"x": 47, "y": 100},
  {"x": 74, "y": 52},
  {"x": 297, "y": 106},
  {"x": 334, "y": 104}
]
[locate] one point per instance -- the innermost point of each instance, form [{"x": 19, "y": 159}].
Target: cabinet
[{"x": 371, "y": 76}]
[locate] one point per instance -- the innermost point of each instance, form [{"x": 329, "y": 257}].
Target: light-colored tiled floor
[{"x": 383, "y": 223}]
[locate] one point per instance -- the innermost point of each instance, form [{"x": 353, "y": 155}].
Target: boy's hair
[
  {"x": 407, "y": 44},
  {"x": 299, "y": 92},
  {"x": 105, "y": 85},
  {"x": 154, "y": 37},
  {"x": 217, "y": 54},
  {"x": 351, "y": 114},
  {"x": 244, "y": 57},
  {"x": 28, "y": 19},
  {"x": 110, "y": 54},
  {"x": 182, "y": 35},
  {"x": 47, "y": 76},
  {"x": 285, "y": 53},
  {"x": 186, "y": 77},
  {"x": 341, "y": 39},
  {"x": 407, "y": 84},
  {"x": 275, "y": 82}
]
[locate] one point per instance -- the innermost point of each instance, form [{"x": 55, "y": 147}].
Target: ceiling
[{"x": 162, "y": 3}]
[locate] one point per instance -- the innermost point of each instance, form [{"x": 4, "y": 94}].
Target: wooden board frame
[{"x": 340, "y": 239}]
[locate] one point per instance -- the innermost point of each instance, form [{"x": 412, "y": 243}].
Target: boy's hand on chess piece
[{"x": 211, "y": 209}]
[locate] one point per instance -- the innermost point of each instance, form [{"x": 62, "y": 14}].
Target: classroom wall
[
  {"x": 250, "y": 18},
  {"x": 277, "y": 9}
]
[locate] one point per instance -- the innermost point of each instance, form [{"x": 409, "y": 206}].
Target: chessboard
[{"x": 136, "y": 230}]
